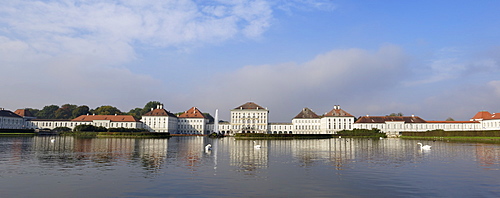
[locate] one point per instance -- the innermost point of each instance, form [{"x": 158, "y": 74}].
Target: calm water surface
[{"x": 179, "y": 167}]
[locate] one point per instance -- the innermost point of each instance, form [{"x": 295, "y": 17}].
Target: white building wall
[
  {"x": 192, "y": 126},
  {"x": 331, "y": 125},
  {"x": 160, "y": 123},
  {"x": 52, "y": 124},
  {"x": 11, "y": 123},
  {"x": 249, "y": 120},
  {"x": 306, "y": 126},
  {"x": 394, "y": 127},
  {"x": 281, "y": 128},
  {"x": 490, "y": 124}
]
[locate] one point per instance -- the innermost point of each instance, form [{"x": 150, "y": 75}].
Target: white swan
[
  {"x": 208, "y": 147},
  {"x": 256, "y": 145},
  {"x": 424, "y": 147}
]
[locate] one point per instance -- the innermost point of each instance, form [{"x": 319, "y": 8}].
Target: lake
[{"x": 180, "y": 167}]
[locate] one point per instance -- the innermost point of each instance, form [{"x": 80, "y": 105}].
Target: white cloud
[
  {"x": 161, "y": 23},
  {"x": 288, "y": 5},
  {"x": 450, "y": 64},
  {"x": 73, "y": 51},
  {"x": 329, "y": 78}
]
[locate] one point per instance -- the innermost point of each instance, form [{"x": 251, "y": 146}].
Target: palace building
[{"x": 252, "y": 118}]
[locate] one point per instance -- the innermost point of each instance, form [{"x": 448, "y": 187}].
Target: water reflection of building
[
  {"x": 335, "y": 151},
  {"x": 151, "y": 152},
  {"x": 245, "y": 156},
  {"x": 488, "y": 156},
  {"x": 188, "y": 150}
]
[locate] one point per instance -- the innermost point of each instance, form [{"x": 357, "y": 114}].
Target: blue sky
[{"x": 434, "y": 59}]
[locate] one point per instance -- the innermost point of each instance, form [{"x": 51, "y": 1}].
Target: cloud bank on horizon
[{"x": 369, "y": 57}]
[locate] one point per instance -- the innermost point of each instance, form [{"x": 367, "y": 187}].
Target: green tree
[
  {"x": 61, "y": 129},
  {"x": 107, "y": 110},
  {"x": 81, "y": 110},
  {"x": 90, "y": 128},
  {"x": 149, "y": 105},
  {"x": 396, "y": 114},
  {"x": 48, "y": 112},
  {"x": 84, "y": 127},
  {"x": 135, "y": 112},
  {"x": 65, "y": 112},
  {"x": 33, "y": 111},
  {"x": 450, "y": 119}
]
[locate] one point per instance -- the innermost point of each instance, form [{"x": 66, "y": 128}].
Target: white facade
[
  {"x": 224, "y": 128},
  {"x": 393, "y": 125},
  {"x": 108, "y": 121},
  {"x": 160, "y": 123},
  {"x": 306, "y": 125},
  {"x": 10, "y": 120},
  {"x": 192, "y": 126},
  {"x": 160, "y": 120},
  {"x": 51, "y": 124},
  {"x": 249, "y": 118},
  {"x": 281, "y": 128},
  {"x": 332, "y": 125},
  {"x": 252, "y": 118}
]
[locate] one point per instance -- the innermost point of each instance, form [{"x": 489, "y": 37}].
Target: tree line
[{"x": 71, "y": 111}]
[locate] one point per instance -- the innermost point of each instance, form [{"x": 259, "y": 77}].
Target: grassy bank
[
  {"x": 494, "y": 140},
  {"x": 456, "y": 136},
  {"x": 442, "y": 133},
  {"x": 16, "y": 134}
]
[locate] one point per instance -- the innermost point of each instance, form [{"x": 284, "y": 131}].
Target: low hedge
[{"x": 361, "y": 133}]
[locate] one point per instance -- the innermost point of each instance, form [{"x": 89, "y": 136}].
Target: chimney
[{"x": 152, "y": 109}]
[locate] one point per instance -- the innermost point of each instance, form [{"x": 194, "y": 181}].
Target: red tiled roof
[
  {"x": 482, "y": 115},
  {"x": 452, "y": 122},
  {"x": 24, "y": 113},
  {"x": 192, "y": 113},
  {"x": 112, "y": 118},
  {"x": 159, "y": 112},
  {"x": 306, "y": 113},
  {"x": 383, "y": 119},
  {"x": 337, "y": 113},
  {"x": 495, "y": 116},
  {"x": 249, "y": 105}
]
